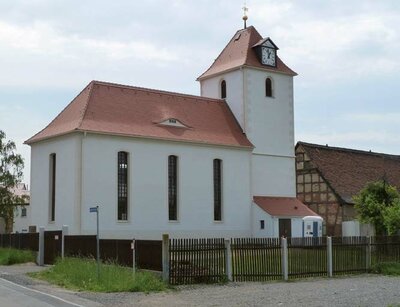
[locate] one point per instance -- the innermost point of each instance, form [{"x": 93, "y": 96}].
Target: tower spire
[{"x": 245, "y": 10}]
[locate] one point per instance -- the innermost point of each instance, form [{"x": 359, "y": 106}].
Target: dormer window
[
  {"x": 173, "y": 122},
  {"x": 268, "y": 87},
  {"x": 223, "y": 89}
]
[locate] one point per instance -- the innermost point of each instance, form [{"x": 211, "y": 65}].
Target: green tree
[
  {"x": 391, "y": 218},
  {"x": 11, "y": 166},
  {"x": 373, "y": 202}
]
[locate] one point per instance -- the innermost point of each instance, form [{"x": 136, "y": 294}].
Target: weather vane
[{"x": 245, "y": 10}]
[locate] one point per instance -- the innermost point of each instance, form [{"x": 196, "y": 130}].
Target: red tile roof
[
  {"x": 283, "y": 206},
  {"x": 239, "y": 52},
  {"x": 132, "y": 111},
  {"x": 347, "y": 171}
]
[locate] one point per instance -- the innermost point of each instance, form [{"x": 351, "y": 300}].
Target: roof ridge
[
  {"x": 351, "y": 150},
  {"x": 86, "y": 104},
  {"x": 145, "y": 89},
  {"x": 248, "y": 45},
  {"x": 59, "y": 114}
]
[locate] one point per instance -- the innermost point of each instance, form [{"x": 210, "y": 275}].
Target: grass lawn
[
  {"x": 10, "y": 256},
  {"x": 81, "y": 274},
  {"x": 387, "y": 268}
]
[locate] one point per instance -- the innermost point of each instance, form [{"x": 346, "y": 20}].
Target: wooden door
[{"x": 285, "y": 228}]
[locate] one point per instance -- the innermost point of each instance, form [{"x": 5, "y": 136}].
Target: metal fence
[
  {"x": 196, "y": 261},
  {"x": 261, "y": 259},
  {"x": 28, "y": 241},
  {"x": 256, "y": 259}
]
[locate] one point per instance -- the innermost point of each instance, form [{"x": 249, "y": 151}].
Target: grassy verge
[
  {"x": 387, "y": 268},
  {"x": 10, "y": 256},
  {"x": 81, "y": 274}
]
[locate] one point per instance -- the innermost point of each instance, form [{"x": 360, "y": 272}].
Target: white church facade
[{"x": 217, "y": 165}]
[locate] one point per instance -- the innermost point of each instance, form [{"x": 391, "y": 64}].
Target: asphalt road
[{"x": 13, "y": 295}]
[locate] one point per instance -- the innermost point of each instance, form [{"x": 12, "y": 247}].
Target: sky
[{"x": 347, "y": 55}]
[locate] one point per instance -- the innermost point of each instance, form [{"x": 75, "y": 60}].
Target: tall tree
[
  {"x": 375, "y": 202},
  {"x": 11, "y": 166}
]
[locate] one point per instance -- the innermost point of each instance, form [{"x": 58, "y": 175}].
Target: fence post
[
  {"x": 41, "y": 246},
  {"x": 63, "y": 234},
  {"x": 285, "y": 264},
  {"x": 133, "y": 256},
  {"x": 368, "y": 258},
  {"x": 228, "y": 257},
  {"x": 329, "y": 254},
  {"x": 165, "y": 257}
]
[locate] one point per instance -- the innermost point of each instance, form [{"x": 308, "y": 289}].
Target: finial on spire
[{"x": 245, "y": 10}]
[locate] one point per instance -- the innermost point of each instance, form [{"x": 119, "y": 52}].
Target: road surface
[{"x": 13, "y": 295}]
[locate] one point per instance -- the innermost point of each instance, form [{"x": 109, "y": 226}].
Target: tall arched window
[
  {"x": 223, "y": 89},
  {"x": 173, "y": 188},
  {"x": 217, "y": 189},
  {"x": 122, "y": 186},
  {"x": 268, "y": 87}
]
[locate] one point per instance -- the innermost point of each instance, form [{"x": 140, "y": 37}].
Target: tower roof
[
  {"x": 115, "y": 109},
  {"x": 240, "y": 52}
]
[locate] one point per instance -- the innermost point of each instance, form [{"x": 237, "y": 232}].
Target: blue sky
[{"x": 347, "y": 54}]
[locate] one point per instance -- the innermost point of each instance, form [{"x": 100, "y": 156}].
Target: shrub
[
  {"x": 10, "y": 256},
  {"x": 387, "y": 268},
  {"x": 81, "y": 274}
]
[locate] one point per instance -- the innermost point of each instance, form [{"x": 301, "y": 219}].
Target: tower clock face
[{"x": 268, "y": 56}]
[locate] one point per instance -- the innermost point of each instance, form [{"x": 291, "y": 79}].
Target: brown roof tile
[
  {"x": 283, "y": 206},
  {"x": 348, "y": 170},
  {"x": 133, "y": 111},
  {"x": 239, "y": 52}
]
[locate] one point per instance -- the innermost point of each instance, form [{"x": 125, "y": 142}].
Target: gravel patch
[{"x": 361, "y": 290}]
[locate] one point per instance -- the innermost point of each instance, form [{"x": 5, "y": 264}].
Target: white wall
[
  {"x": 148, "y": 203},
  {"x": 22, "y": 223},
  {"x": 67, "y": 150},
  {"x": 234, "y": 91},
  {"x": 268, "y": 123},
  {"x": 270, "y": 230},
  {"x": 272, "y": 224}
]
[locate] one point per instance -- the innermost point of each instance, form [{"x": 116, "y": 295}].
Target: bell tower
[{"x": 258, "y": 87}]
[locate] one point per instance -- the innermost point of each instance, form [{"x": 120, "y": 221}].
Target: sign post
[{"x": 96, "y": 210}]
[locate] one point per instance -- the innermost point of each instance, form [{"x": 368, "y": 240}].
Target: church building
[{"x": 221, "y": 164}]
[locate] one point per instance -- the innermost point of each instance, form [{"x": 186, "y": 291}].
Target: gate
[{"x": 52, "y": 246}]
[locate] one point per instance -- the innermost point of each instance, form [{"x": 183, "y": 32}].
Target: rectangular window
[
  {"x": 53, "y": 163},
  {"x": 262, "y": 224},
  {"x": 122, "y": 186},
  {"x": 23, "y": 212},
  {"x": 217, "y": 190},
  {"x": 173, "y": 188}
]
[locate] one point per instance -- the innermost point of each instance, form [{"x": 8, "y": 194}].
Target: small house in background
[
  {"x": 284, "y": 217},
  {"x": 21, "y": 212},
  {"x": 328, "y": 177}
]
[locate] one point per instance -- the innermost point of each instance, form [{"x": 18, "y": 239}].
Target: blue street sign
[{"x": 93, "y": 209}]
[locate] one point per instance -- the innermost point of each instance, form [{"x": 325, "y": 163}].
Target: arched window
[
  {"x": 223, "y": 89},
  {"x": 268, "y": 87}
]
